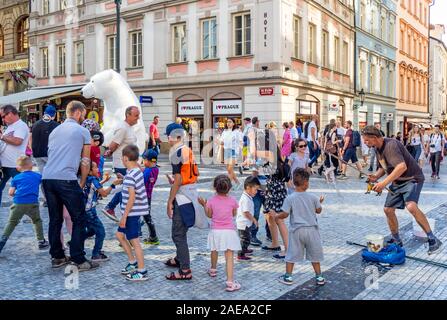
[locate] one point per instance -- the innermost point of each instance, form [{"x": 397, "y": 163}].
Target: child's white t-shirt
[{"x": 245, "y": 205}]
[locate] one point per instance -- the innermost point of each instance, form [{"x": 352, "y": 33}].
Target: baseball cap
[
  {"x": 97, "y": 136},
  {"x": 174, "y": 128},
  {"x": 50, "y": 110},
  {"x": 150, "y": 155}
]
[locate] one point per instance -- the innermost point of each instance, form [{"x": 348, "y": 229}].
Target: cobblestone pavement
[{"x": 348, "y": 214}]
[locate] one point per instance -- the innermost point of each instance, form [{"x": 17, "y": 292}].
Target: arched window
[
  {"x": 22, "y": 35},
  {"x": 2, "y": 42}
]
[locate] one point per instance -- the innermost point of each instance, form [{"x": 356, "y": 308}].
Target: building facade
[
  {"x": 438, "y": 75},
  {"x": 13, "y": 45},
  {"x": 412, "y": 59},
  {"x": 376, "y": 63},
  {"x": 206, "y": 60}
]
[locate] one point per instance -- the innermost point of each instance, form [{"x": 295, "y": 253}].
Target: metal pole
[{"x": 118, "y": 38}]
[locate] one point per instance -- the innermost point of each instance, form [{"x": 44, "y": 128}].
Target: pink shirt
[
  {"x": 222, "y": 208},
  {"x": 286, "y": 149}
]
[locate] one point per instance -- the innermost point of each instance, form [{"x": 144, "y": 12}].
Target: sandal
[
  {"x": 173, "y": 265},
  {"x": 232, "y": 286},
  {"x": 212, "y": 272},
  {"x": 181, "y": 275}
]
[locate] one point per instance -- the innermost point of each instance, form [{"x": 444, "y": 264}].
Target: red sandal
[
  {"x": 181, "y": 275},
  {"x": 173, "y": 265}
]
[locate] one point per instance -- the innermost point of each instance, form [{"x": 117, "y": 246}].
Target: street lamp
[
  {"x": 118, "y": 23},
  {"x": 362, "y": 97}
]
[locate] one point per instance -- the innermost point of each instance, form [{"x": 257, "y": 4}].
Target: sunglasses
[{"x": 302, "y": 146}]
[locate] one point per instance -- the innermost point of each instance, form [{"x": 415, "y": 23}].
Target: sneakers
[
  {"x": 361, "y": 176},
  {"x": 342, "y": 177},
  {"x": 43, "y": 244},
  {"x": 248, "y": 252},
  {"x": 256, "y": 242},
  {"x": 271, "y": 249},
  {"x": 101, "y": 257},
  {"x": 57, "y": 263},
  {"x": 87, "y": 266},
  {"x": 110, "y": 213},
  {"x": 152, "y": 241},
  {"x": 243, "y": 258},
  {"x": 320, "y": 280},
  {"x": 286, "y": 279},
  {"x": 279, "y": 257},
  {"x": 434, "y": 245},
  {"x": 241, "y": 170},
  {"x": 138, "y": 276},
  {"x": 2, "y": 243},
  {"x": 131, "y": 267}
]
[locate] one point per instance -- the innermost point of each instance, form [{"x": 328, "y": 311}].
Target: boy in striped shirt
[{"x": 133, "y": 206}]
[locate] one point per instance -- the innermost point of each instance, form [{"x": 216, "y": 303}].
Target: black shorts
[{"x": 403, "y": 193}]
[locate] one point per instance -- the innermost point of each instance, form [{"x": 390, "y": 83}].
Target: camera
[{"x": 432, "y": 146}]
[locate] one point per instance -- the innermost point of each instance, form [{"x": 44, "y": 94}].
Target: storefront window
[
  {"x": 363, "y": 122},
  {"x": 305, "y": 111}
]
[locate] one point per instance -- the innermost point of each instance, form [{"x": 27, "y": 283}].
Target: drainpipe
[
  {"x": 428, "y": 55},
  {"x": 355, "y": 50}
]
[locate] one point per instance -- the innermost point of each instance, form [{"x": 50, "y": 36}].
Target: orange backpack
[{"x": 190, "y": 169}]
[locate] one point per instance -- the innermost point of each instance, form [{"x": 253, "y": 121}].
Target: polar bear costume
[{"x": 111, "y": 87}]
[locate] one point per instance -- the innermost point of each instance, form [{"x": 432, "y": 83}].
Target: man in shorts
[{"x": 406, "y": 179}]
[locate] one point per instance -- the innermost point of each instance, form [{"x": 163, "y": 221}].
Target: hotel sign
[{"x": 13, "y": 65}]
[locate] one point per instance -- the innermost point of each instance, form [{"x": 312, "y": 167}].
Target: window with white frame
[
  {"x": 391, "y": 92},
  {"x": 136, "y": 49},
  {"x": 79, "y": 57},
  {"x": 44, "y": 62},
  {"x": 362, "y": 73},
  {"x": 391, "y": 38},
  {"x": 312, "y": 38},
  {"x": 325, "y": 49},
  {"x": 372, "y": 76},
  {"x": 362, "y": 15},
  {"x": 62, "y": 4},
  {"x": 60, "y": 56},
  {"x": 383, "y": 81},
  {"x": 209, "y": 38},
  {"x": 297, "y": 37},
  {"x": 383, "y": 27},
  {"x": 336, "y": 53},
  {"x": 345, "y": 57},
  {"x": 371, "y": 22},
  {"x": 111, "y": 52},
  {"x": 45, "y": 6},
  {"x": 179, "y": 49},
  {"x": 242, "y": 34}
]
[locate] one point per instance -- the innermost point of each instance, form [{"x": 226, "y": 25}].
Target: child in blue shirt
[
  {"x": 150, "y": 173},
  {"x": 94, "y": 227},
  {"x": 25, "y": 190}
]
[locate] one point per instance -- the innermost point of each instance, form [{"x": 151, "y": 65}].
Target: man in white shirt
[
  {"x": 15, "y": 138},
  {"x": 311, "y": 135},
  {"x": 436, "y": 146},
  {"x": 123, "y": 136},
  {"x": 293, "y": 131}
]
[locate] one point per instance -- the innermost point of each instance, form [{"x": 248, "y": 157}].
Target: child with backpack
[
  {"x": 150, "y": 174},
  {"x": 222, "y": 209}
]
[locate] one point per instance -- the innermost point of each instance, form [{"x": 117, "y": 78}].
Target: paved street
[{"x": 348, "y": 214}]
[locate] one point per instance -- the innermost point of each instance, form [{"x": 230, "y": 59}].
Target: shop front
[
  {"x": 363, "y": 120},
  {"x": 192, "y": 115},
  {"x": 305, "y": 110},
  {"x": 225, "y": 109}
]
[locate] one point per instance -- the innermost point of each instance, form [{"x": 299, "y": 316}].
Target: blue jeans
[
  {"x": 8, "y": 173},
  {"x": 117, "y": 198},
  {"x": 258, "y": 200},
  {"x": 95, "y": 228},
  {"x": 66, "y": 193},
  {"x": 313, "y": 153}
]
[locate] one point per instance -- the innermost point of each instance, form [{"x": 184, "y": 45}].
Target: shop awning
[{"x": 38, "y": 93}]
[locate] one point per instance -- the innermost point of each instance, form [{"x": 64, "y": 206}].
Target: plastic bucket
[
  {"x": 375, "y": 242},
  {"x": 417, "y": 230}
]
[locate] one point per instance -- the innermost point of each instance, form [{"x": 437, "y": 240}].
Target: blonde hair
[
  {"x": 272, "y": 125},
  {"x": 178, "y": 120},
  {"x": 74, "y": 106},
  {"x": 24, "y": 161}
]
